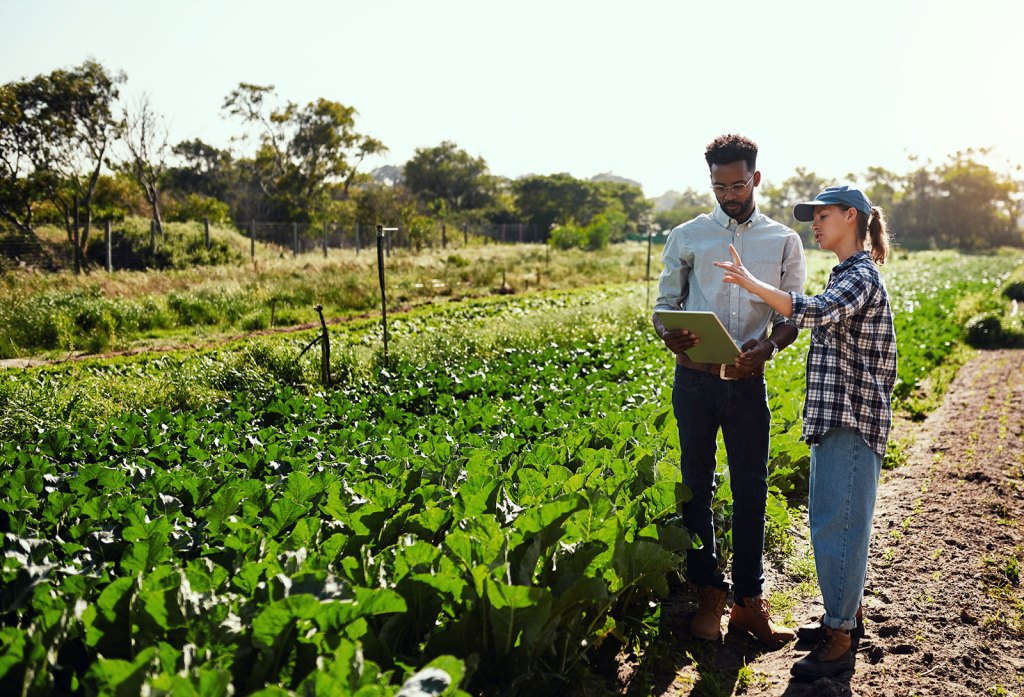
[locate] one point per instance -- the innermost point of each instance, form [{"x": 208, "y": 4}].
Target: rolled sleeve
[
  {"x": 794, "y": 275},
  {"x": 849, "y": 295}
]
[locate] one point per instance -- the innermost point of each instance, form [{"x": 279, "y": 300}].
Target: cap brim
[{"x": 804, "y": 212}]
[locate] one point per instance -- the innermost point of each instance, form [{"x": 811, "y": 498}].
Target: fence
[{"x": 114, "y": 249}]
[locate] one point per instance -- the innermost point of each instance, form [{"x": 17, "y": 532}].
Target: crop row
[{"x": 499, "y": 502}]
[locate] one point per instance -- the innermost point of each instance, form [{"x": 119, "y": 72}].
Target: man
[{"x": 707, "y": 397}]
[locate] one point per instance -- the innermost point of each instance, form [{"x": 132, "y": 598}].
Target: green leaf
[{"x": 112, "y": 676}]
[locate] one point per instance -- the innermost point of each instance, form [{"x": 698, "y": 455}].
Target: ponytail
[{"x": 877, "y": 227}]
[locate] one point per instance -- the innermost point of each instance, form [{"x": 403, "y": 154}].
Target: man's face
[{"x": 737, "y": 197}]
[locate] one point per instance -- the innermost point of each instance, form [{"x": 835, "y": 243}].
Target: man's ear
[{"x": 757, "y": 177}]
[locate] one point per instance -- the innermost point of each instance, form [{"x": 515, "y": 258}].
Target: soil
[{"x": 943, "y": 601}]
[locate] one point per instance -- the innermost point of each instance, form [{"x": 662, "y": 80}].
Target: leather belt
[{"x": 724, "y": 371}]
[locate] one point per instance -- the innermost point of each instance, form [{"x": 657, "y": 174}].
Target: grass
[{"x": 52, "y": 314}]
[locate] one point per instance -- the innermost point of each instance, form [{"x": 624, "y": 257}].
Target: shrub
[{"x": 985, "y": 331}]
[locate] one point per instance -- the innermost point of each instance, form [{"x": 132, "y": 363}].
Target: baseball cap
[{"x": 833, "y": 195}]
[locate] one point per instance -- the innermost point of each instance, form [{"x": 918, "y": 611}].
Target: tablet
[{"x": 716, "y": 346}]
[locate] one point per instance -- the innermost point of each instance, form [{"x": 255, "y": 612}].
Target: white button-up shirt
[{"x": 690, "y": 281}]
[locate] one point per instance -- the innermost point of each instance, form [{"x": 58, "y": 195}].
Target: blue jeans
[
  {"x": 844, "y": 482},
  {"x": 703, "y": 403}
]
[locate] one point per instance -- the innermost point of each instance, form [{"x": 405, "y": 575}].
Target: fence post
[
  {"x": 325, "y": 239},
  {"x": 383, "y": 295},
  {"x": 465, "y": 234},
  {"x": 206, "y": 231},
  {"x": 648, "y": 278},
  {"x": 76, "y": 260},
  {"x": 295, "y": 239},
  {"x": 252, "y": 238},
  {"x": 109, "y": 246},
  {"x": 444, "y": 236}
]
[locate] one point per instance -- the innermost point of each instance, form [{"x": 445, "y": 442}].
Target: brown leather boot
[
  {"x": 707, "y": 623},
  {"x": 811, "y": 632},
  {"x": 830, "y": 657},
  {"x": 754, "y": 615}
]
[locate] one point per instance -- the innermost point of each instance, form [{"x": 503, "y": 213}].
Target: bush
[
  {"x": 985, "y": 331},
  {"x": 568, "y": 237},
  {"x": 1015, "y": 291}
]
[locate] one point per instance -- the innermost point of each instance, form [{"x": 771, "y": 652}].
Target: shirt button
[{"x": 734, "y": 314}]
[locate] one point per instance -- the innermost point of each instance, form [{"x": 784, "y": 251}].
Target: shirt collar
[
  {"x": 855, "y": 258},
  {"x": 723, "y": 219}
]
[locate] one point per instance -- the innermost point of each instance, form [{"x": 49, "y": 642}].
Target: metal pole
[
  {"x": 206, "y": 231},
  {"x": 109, "y": 245}
]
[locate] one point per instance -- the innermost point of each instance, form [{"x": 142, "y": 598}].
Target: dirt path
[{"x": 944, "y": 598}]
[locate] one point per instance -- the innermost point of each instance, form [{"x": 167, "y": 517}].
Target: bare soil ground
[{"x": 944, "y": 601}]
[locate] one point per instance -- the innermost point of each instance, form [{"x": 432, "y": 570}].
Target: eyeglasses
[{"x": 721, "y": 189}]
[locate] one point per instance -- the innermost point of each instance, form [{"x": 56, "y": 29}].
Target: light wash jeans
[{"x": 844, "y": 483}]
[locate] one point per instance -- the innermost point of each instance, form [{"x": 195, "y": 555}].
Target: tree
[
  {"x": 55, "y": 131},
  {"x": 450, "y": 175},
  {"x": 547, "y": 200},
  {"x": 962, "y": 203},
  {"x": 686, "y": 206},
  {"x": 777, "y": 201},
  {"x": 145, "y": 139},
  {"x": 302, "y": 151}
]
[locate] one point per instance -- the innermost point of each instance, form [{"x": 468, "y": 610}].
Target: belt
[{"x": 724, "y": 371}]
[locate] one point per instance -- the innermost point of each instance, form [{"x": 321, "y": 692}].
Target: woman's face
[{"x": 835, "y": 228}]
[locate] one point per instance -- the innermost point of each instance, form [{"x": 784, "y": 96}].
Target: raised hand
[{"x": 736, "y": 272}]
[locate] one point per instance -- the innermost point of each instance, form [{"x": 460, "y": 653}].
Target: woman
[{"x": 851, "y": 371}]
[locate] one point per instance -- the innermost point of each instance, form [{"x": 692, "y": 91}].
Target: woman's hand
[{"x": 736, "y": 272}]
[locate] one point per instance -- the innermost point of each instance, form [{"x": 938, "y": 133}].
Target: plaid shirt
[{"x": 851, "y": 364}]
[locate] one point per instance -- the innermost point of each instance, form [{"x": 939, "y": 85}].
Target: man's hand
[
  {"x": 755, "y": 353},
  {"x": 679, "y": 340}
]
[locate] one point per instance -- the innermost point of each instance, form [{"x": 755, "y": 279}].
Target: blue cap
[{"x": 833, "y": 195}]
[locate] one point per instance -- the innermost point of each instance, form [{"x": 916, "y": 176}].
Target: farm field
[{"x": 493, "y": 511}]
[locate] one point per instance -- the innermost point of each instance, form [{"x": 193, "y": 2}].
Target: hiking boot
[
  {"x": 754, "y": 615},
  {"x": 707, "y": 623},
  {"x": 830, "y": 657},
  {"x": 811, "y": 632}
]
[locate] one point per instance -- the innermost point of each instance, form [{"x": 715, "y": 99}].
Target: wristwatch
[{"x": 775, "y": 349}]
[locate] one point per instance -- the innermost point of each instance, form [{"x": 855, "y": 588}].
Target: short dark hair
[{"x": 730, "y": 148}]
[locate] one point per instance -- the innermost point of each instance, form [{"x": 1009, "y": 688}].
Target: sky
[{"x": 636, "y": 88}]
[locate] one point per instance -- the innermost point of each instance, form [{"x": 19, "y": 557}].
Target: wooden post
[
  {"x": 465, "y": 234},
  {"x": 206, "y": 232},
  {"x": 648, "y": 278},
  {"x": 383, "y": 294},
  {"x": 325, "y": 349},
  {"x": 76, "y": 259},
  {"x": 295, "y": 239},
  {"x": 252, "y": 238},
  {"x": 444, "y": 236},
  {"x": 325, "y": 239},
  {"x": 109, "y": 246}
]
